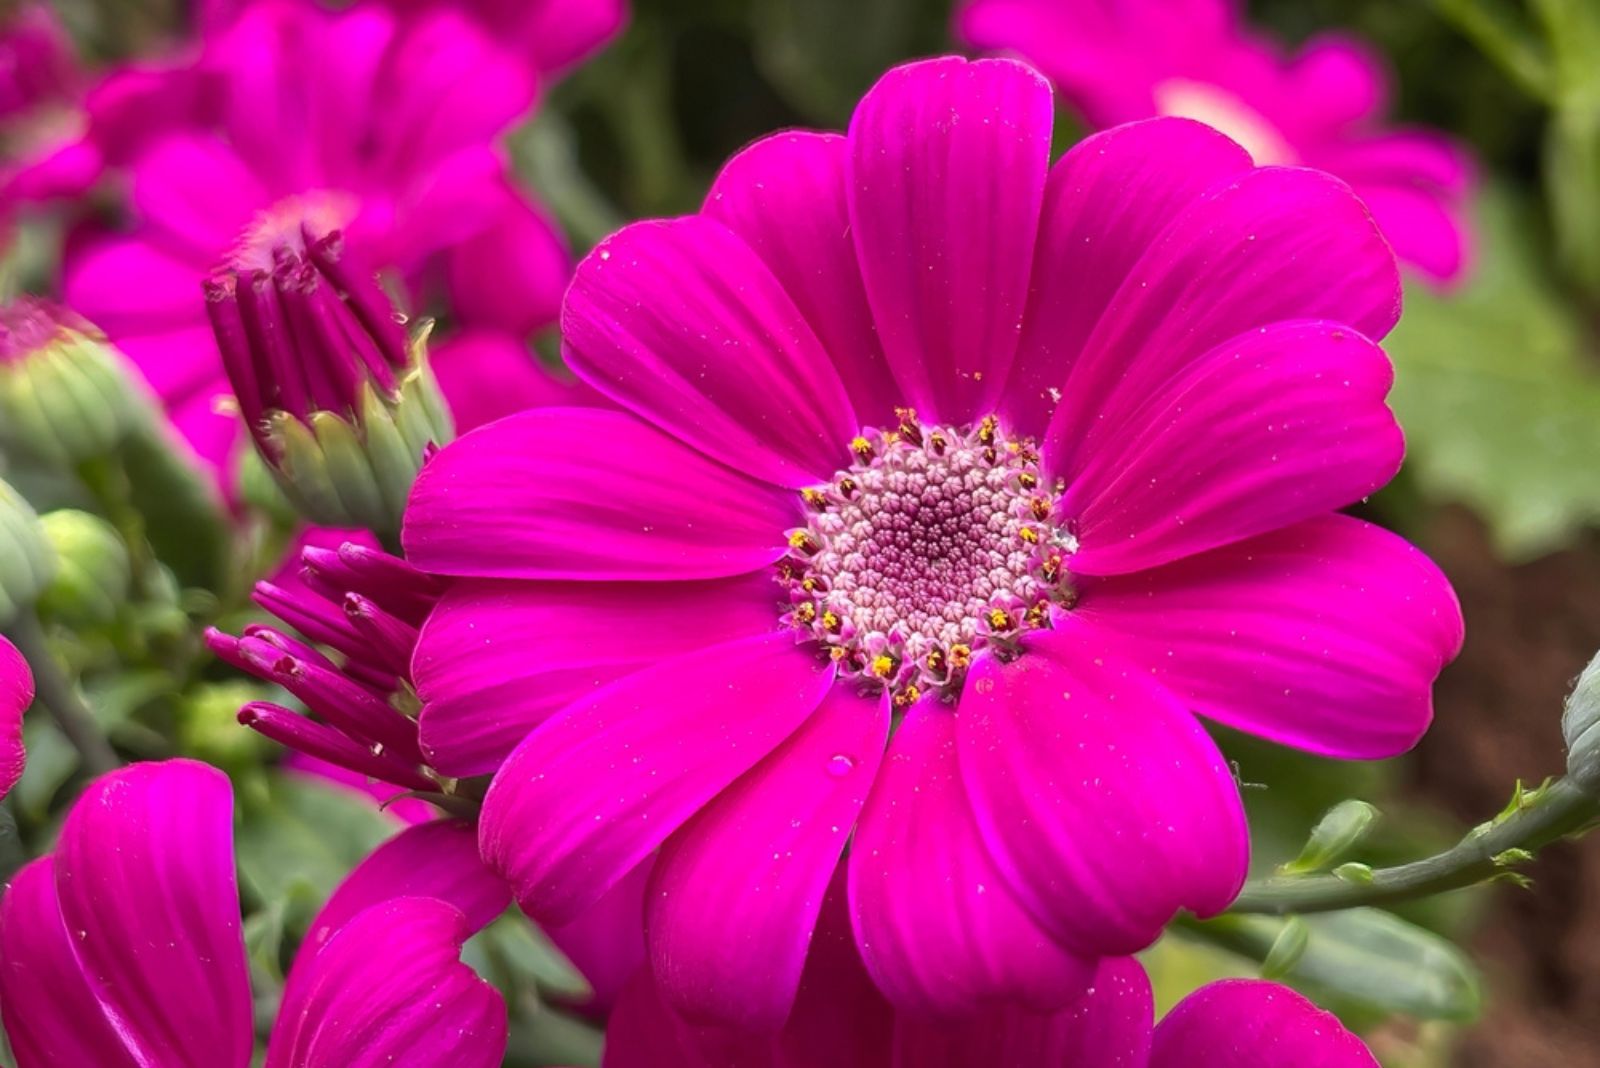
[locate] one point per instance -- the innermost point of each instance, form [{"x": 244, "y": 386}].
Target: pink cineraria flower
[
  {"x": 384, "y": 128},
  {"x": 551, "y": 35},
  {"x": 841, "y": 1021},
  {"x": 123, "y": 948},
  {"x": 947, "y": 487},
  {"x": 16, "y": 694},
  {"x": 1121, "y": 60}
]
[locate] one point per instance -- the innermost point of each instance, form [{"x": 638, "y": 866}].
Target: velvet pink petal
[
  {"x": 938, "y": 928},
  {"x": 438, "y": 859},
  {"x": 947, "y": 173},
  {"x": 1276, "y": 243},
  {"x": 559, "y": 33},
  {"x": 96, "y": 276},
  {"x": 1106, "y": 202},
  {"x": 840, "y": 1018},
  {"x": 1101, "y": 798},
  {"x": 1325, "y": 636},
  {"x": 1279, "y": 425},
  {"x": 1337, "y": 80},
  {"x": 736, "y": 893},
  {"x": 1109, "y": 1027},
  {"x": 644, "y": 1033},
  {"x": 606, "y": 942},
  {"x": 591, "y": 792},
  {"x": 682, "y": 323},
  {"x": 16, "y": 694},
  {"x": 52, "y": 1016},
  {"x": 1248, "y": 1023},
  {"x": 488, "y": 374},
  {"x": 389, "y": 991},
  {"x": 510, "y": 275},
  {"x": 482, "y": 691},
  {"x": 786, "y": 195},
  {"x": 158, "y": 926},
  {"x": 196, "y": 192},
  {"x": 1422, "y": 228},
  {"x": 579, "y": 493}
]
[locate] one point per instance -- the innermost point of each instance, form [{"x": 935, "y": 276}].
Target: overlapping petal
[
  {"x": 569, "y": 493},
  {"x": 947, "y": 170},
  {"x": 736, "y": 893},
  {"x": 1276, "y": 426},
  {"x": 1243, "y": 1023},
  {"x": 482, "y": 692},
  {"x": 159, "y": 935},
  {"x": 389, "y": 991},
  {"x": 591, "y": 792},
  {"x": 682, "y": 323},
  {"x": 938, "y": 926},
  {"x": 1076, "y": 762},
  {"x": 1326, "y": 635}
]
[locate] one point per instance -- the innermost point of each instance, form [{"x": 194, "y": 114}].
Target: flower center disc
[{"x": 934, "y": 543}]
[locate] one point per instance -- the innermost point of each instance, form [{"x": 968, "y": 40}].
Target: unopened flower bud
[
  {"x": 1580, "y": 725},
  {"x": 26, "y": 559},
  {"x": 342, "y": 407},
  {"x": 65, "y": 394},
  {"x": 1340, "y": 830},
  {"x": 92, "y": 578}
]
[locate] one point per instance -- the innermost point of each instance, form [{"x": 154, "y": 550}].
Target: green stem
[
  {"x": 1502, "y": 37},
  {"x": 1552, "y": 813},
  {"x": 111, "y": 488},
  {"x": 60, "y": 697}
]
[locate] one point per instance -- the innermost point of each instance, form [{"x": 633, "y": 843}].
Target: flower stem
[
  {"x": 60, "y": 697},
  {"x": 1535, "y": 820}
]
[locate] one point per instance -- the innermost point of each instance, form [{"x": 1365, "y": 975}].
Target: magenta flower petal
[
  {"x": 682, "y": 323},
  {"x": 1075, "y": 762},
  {"x": 97, "y": 284},
  {"x": 1279, "y": 425},
  {"x": 1247, "y": 1023},
  {"x": 510, "y": 275},
  {"x": 1106, "y": 202},
  {"x": 1422, "y": 229},
  {"x": 668, "y": 739},
  {"x": 438, "y": 859},
  {"x": 606, "y": 942},
  {"x": 482, "y": 693},
  {"x": 16, "y": 694},
  {"x": 488, "y": 374},
  {"x": 947, "y": 167},
  {"x": 786, "y": 196},
  {"x": 1326, "y": 636},
  {"x": 51, "y": 1014},
  {"x": 1277, "y": 243},
  {"x": 1338, "y": 80},
  {"x": 736, "y": 893},
  {"x": 158, "y": 926},
  {"x": 389, "y": 991},
  {"x": 196, "y": 192},
  {"x": 572, "y": 493},
  {"x": 938, "y": 928},
  {"x": 558, "y": 33},
  {"x": 1109, "y": 1027},
  {"x": 644, "y": 1033}
]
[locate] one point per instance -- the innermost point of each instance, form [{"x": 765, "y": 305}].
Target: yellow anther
[
  {"x": 960, "y": 655},
  {"x": 883, "y": 666},
  {"x": 861, "y": 447},
  {"x": 998, "y": 619},
  {"x": 906, "y": 697},
  {"x": 987, "y": 429},
  {"x": 1040, "y": 506},
  {"x": 831, "y": 622},
  {"x": 837, "y": 652},
  {"x": 1029, "y": 535},
  {"x": 802, "y": 540},
  {"x": 1027, "y": 480},
  {"x": 805, "y": 612},
  {"x": 814, "y": 498}
]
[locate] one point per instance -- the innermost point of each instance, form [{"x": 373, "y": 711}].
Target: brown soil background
[{"x": 1530, "y": 630}]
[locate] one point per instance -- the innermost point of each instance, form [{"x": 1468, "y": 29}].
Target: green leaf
[
  {"x": 298, "y": 833},
  {"x": 1498, "y": 396},
  {"x": 1360, "y": 962},
  {"x": 533, "y": 960}
]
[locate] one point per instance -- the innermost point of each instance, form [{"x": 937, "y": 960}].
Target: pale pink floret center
[{"x": 936, "y": 542}]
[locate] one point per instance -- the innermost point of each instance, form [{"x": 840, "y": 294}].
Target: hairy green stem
[{"x": 1554, "y": 812}]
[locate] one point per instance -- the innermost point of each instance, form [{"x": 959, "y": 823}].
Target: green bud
[
  {"x": 1339, "y": 831},
  {"x": 208, "y": 724},
  {"x": 65, "y": 393},
  {"x": 26, "y": 560},
  {"x": 92, "y": 579},
  {"x": 1286, "y": 949},
  {"x": 1580, "y": 726},
  {"x": 1354, "y": 873}
]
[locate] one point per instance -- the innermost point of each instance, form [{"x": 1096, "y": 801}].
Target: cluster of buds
[
  {"x": 365, "y": 608},
  {"x": 65, "y": 394},
  {"x": 340, "y": 403}
]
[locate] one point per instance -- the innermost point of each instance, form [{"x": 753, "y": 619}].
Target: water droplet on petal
[{"x": 840, "y": 765}]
